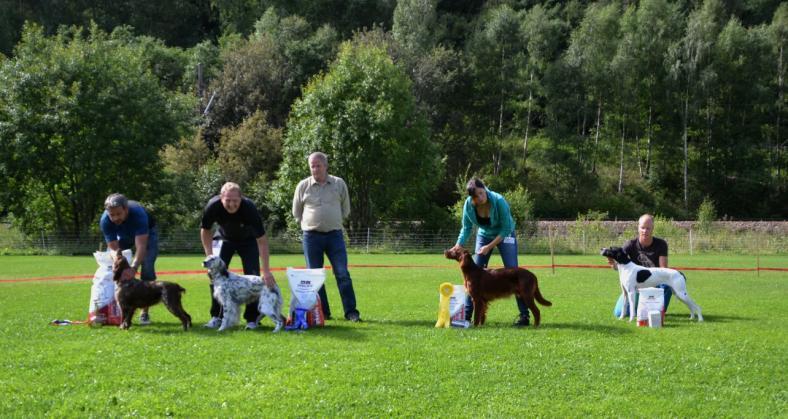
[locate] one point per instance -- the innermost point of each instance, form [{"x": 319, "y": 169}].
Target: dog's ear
[{"x": 118, "y": 267}]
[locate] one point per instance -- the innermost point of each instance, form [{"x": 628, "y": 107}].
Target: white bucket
[{"x": 655, "y": 319}]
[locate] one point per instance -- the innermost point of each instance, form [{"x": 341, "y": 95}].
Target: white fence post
[{"x": 690, "y": 240}]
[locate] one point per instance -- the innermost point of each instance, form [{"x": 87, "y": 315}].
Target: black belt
[{"x": 322, "y": 233}]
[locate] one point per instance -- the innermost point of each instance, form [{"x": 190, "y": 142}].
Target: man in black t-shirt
[
  {"x": 646, "y": 250},
  {"x": 241, "y": 231}
]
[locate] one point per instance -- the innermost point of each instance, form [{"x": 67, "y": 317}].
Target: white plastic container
[{"x": 655, "y": 319}]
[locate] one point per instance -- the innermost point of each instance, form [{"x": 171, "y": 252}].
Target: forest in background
[{"x": 592, "y": 109}]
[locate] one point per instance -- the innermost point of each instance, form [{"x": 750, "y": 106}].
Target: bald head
[{"x": 646, "y": 229}]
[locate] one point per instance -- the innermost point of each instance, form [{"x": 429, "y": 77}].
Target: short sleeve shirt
[
  {"x": 137, "y": 223},
  {"x": 646, "y": 256},
  {"x": 244, "y": 224}
]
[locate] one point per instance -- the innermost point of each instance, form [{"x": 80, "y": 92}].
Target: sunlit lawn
[{"x": 581, "y": 361}]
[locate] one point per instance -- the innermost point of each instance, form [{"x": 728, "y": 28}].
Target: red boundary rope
[{"x": 574, "y": 266}]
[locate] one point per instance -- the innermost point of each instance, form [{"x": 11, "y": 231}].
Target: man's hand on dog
[{"x": 269, "y": 280}]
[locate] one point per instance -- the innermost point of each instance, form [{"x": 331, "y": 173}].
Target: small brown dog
[
  {"x": 485, "y": 285},
  {"x": 131, "y": 294}
]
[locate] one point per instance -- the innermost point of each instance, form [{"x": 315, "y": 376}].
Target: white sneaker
[
  {"x": 144, "y": 319},
  {"x": 213, "y": 323},
  {"x": 251, "y": 326}
]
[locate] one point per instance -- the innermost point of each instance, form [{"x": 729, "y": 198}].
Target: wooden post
[
  {"x": 552, "y": 251},
  {"x": 758, "y": 255}
]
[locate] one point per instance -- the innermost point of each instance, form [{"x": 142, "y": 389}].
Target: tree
[
  {"x": 266, "y": 72},
  {"x": 647, "y": 35},
  {"x": 690, "y": 60},
  {"x": 778, "y": 32},
  {"x": 414, "y": 23},
  {"x": 495, "y": 53},
  {"x": 363, "y": 115},
  {"x": 251, "y": 149},
  {"x": 543, "y": 33},
  {"x": 592, "y": 48},
  {"x": 253, "y": 78},
  {"x": 81, "y": 116},
  {"x": 305, "y": 51}
]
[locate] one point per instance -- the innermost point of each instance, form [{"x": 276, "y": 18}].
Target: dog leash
[{"x": 67, "y": 322}]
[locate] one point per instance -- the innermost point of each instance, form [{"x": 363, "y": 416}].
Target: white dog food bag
[
  {"x": 651, "y": 299},
  {"x": 457, "y": 306},
  {"x": 103, "y": 308},
  {"x": 304, "y": 285}
]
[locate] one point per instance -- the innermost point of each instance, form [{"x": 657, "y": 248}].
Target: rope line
[{"x": 570, "y": 266}]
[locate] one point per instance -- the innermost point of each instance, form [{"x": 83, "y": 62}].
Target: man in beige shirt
[{"x": 320, "y": 204}]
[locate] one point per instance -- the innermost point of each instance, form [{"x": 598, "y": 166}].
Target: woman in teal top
[{"x": 490, "y": 212}]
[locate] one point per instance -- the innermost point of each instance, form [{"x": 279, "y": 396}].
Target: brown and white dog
[
  {"x": 485, "y": 285},
  {"x": 131, "y": 294}
]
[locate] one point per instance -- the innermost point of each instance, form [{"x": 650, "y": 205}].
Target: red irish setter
[{"x": 485, "y": 285}]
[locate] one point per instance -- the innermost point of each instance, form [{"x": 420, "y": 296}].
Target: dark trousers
[
  {"x": 332, "y": 244},
  {"x": 250, "y": 258}
]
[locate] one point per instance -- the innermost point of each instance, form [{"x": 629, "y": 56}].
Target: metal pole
[{"x": 367, "y": 239}]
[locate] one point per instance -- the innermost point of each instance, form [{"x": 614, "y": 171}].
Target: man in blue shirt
[{"x": 126, "y": 224}]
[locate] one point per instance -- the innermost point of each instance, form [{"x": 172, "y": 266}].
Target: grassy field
[{"x": 581, "y": 362}]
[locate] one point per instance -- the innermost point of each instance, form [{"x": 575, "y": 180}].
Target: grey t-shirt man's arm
[{"x": 319, "y": 207}]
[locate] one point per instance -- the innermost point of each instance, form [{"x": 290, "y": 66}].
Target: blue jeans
[
  {"x": 250, "y": 259},
  {"x": 332, "y": 244},
  {"x": 148, "y": 268},
  {"x": 508, "y": 253}
]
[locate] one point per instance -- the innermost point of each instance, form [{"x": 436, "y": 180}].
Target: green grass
[{"x": 581, "y": 362}]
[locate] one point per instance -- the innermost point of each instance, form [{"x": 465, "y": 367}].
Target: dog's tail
[{"x": 538, "y": 294}]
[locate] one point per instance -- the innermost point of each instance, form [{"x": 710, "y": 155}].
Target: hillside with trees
[{"x": 567, "y": 108}]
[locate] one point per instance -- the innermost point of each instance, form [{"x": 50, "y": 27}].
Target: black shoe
[
  {"x": 353, "y": 317},
  {"x": 522, "y": 322}
]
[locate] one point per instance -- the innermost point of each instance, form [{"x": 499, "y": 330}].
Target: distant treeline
[{"x": 568, "y": 108}]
